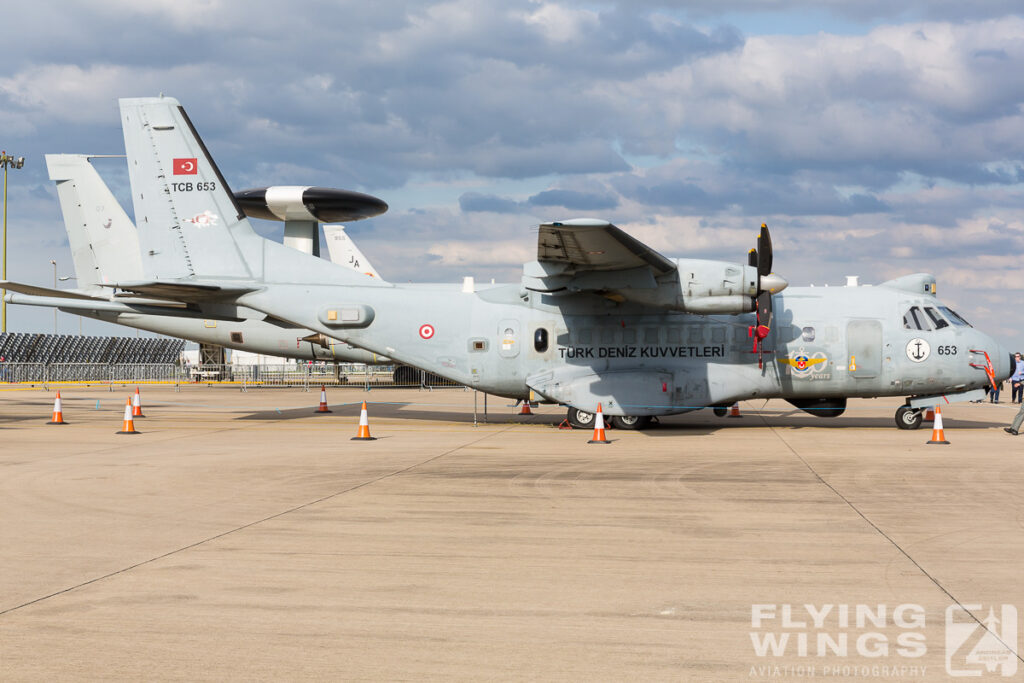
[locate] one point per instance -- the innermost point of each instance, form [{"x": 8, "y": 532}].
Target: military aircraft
[
  {"x": 105, "y": 249},
  {"x": 598, "y": 318}
]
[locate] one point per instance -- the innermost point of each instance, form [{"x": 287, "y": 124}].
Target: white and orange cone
[
  {"x": 364, "y": 427},
  {"x": 58, "y": 412},
  {"x": 129, "y": 424},
  {"x": 137, "y": 404},
  {"x": 525, "y": 410},
  {"x": 734, "y": 410},
  {"x": 323, "y": 401},
  {"x": 938, "y": 436},
  {"x": 599, "y": 427}
]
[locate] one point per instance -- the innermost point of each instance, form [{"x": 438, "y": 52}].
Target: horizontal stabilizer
[
  {"x": 190, "y": 292},
  {"x": 45, "y": 291},
  {"x": 75, "y": 305}
]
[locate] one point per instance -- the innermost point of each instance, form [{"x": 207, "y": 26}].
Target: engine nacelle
[
  {"x": 321, "y": 204},
  {"x": 716, "y": 287}
]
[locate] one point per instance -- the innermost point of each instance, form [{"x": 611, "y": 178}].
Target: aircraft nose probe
[{"x": 767, "y": 284}]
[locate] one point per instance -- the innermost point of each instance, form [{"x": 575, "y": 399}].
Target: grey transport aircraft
[
  {"x": 105, "y": 249},
  {"x": 597, "y": 319}
]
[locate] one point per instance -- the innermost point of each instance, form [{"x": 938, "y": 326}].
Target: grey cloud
[
  {"x": 572, "y": 199},
  {"x": 475, "y": 202}
]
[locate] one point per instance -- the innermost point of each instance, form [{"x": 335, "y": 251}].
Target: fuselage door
[
  {"x": 864, "y": 348},
  {"x": 508, "y": 338}
]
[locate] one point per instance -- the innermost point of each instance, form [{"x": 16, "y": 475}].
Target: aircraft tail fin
[
  {"x": 344, "y": 252},
  {"x": 185, "y": 213},
  {"x": 190, "y": 225},
  {"x": 104, "y": 244}
]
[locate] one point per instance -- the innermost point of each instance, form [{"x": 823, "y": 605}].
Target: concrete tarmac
[{"x": 240, "y": 536}]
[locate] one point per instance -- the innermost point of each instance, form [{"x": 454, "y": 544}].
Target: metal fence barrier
[{"x": 355, "y": 375}]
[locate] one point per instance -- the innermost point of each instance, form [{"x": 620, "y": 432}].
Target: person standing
[{"x": 1017, "y": 380}]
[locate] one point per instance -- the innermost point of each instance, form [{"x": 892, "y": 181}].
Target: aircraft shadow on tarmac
[{"x": 699, "y": 422}]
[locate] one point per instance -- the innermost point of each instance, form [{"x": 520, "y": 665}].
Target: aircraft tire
[
  {"x": 720, "y": 411},
  {"x": 631, "y": 421},
  {"x": 580, "y": 419},
  {"x": 909, "y": 418}
]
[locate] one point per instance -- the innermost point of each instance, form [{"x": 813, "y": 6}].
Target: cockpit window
[
  {"x": 955, "y": 317},
  {"x": 914, "y": 319},
  {"x": 936, "y": 318}
]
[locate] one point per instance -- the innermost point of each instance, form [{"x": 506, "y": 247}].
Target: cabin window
[
  {"x": 629, "y": 336},
  {"x": 936, "y": 318},
  {"x": 540, "y": 340},
  {"x": 695, "y": 335},
  {"x": 718, "y": 335},
  {"x": 650, "y": 335},
  {"x": 236, "y": 337},
  {"x": 673, "y": 335},
  {"x": 807, "y": 334},
  {"x": 914, "y": 319},
  {"x": 954, "y": 317},
  {"x": 607, "y": 336}
]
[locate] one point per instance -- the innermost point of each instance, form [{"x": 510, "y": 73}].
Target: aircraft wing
[
  {"x": 589, "y": 255},
  {"x": 45, "y": 291},
  {"x": 588, "y": 244}
]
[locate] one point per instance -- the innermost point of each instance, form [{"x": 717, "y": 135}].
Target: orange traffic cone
[
  {"x": 58, "y": 412},
  {"x": 525, "y": 410},
  {"x": 938, "y": 437},
  {"x": 734, "y": 410},
  {"x": 137, "y": 404},
  {"x": 599, "y": 427},
  {"x": 323, "y": 401},
  {"x": 364, "y": 427},
  {"x": 129, "y": 424}
]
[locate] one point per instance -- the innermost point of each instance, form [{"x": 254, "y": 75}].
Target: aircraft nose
[{"x": 1004, "y": 363}]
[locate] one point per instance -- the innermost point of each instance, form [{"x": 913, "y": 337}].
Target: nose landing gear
[{"x": 909, "y": 418}]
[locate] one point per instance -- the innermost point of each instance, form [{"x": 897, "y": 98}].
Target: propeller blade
[
  {"x": 752, "y": 258},
  {"x": 764, "y": 324},
  {"x": 764, "y": 312},
  {"x": 764, "y": 251}
]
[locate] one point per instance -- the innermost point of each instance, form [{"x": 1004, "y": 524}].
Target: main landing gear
[
  {"x": 909, "y": 418},
  {"x": 581, "y": 419}
]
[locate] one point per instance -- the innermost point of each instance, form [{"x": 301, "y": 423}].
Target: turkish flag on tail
[{"x": 185, "y": 166}]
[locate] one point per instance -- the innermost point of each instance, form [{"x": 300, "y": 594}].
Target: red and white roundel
[{"x": 426, "y": 331}]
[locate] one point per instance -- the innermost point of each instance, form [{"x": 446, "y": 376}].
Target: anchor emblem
[{"x": 918, "y": 350}]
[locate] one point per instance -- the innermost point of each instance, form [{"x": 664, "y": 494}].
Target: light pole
[
  {"x": 54, "y": 264},
  {"x": 65, "y": 278},
  {"x": 5, "y": 161}
]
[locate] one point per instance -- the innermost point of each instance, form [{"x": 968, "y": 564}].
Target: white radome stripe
[{"x": 285, "y": 202}]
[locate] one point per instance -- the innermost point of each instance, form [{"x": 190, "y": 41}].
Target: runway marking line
[{"x": 888, "y": 538}]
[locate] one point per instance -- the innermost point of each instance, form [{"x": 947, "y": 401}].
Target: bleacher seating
[{"x": 66, "y": 348}]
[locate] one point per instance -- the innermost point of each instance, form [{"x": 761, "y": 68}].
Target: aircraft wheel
[
  {"x": 909, "y": 418},
  {"x": 631, "y": 421},
  {"x": 720, "y": 411},
  {"x": 580, "y": 419}
]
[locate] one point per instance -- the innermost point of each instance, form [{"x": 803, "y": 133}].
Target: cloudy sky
[{"x": 875, "y": 138}]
